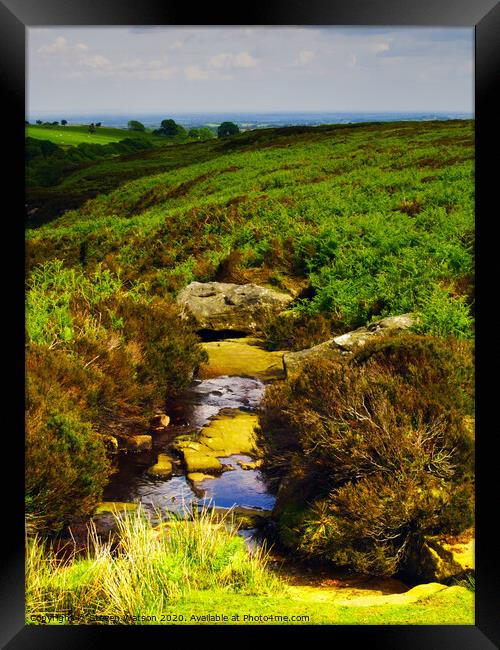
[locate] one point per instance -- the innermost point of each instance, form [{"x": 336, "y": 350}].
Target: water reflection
[{"x": 204, "y": 400}]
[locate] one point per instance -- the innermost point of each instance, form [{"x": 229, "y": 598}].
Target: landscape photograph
[{"x": 249, "y": 325}]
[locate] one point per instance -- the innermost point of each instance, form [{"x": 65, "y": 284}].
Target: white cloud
[
  {"x": 244, "y": 60},
  {"x": 195, "y": 73},
  {"x": 380, "y": 47},
  {"x": 221, "y": 60},
  {"x": 59, "y": 45},
  {"x": 373, "y": 68},
  {"x": 306, "y": 56},
  {"x": 95, "y": 61},
  {"x": 229, "y": 60}
]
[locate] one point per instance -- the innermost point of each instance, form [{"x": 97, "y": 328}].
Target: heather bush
[
  {"x": 367, "y": 456},
  {"x": 66, "y": 468}
]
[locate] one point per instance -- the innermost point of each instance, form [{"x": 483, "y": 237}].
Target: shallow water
[{"x": 194, "y": 409}]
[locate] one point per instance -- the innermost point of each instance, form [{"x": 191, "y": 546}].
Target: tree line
[{"x": 168, "y": 128}]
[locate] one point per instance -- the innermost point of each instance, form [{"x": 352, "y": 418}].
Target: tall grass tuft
[{"x": 150, "y": 569}]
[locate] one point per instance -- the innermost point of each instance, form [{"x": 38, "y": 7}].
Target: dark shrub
[
  {"x": 171, "y": 350},
  {"x": 66, "y": 469},
  {"x": 368, "y": 456},
  {"x": 294, "y": 331}
]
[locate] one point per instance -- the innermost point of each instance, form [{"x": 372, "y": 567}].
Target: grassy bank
[{"x": 190, "y": 572}]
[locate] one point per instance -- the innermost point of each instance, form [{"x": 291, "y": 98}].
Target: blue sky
[{"x": 251, "y": 69}]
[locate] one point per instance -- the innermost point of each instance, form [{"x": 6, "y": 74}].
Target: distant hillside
[{"x": 374, "y": 217}]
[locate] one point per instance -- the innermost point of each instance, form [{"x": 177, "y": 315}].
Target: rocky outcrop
[
  {"x": 438, "y": 559},
  {"x": 224, "y": 306},
  {"x": 343, "y": 346}
]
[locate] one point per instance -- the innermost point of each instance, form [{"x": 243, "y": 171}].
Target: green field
[{"x": 74, "y": 135}]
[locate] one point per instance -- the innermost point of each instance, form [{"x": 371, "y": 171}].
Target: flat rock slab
[
  {"x": 412, "y": 596},
  {"x": 241, "y": 357},
  {"x": 198, "y": 458},
  {"x": 162, "y": 468},
  {"x": 244, "y": 518},
  {"x": 115, "y": 506},
  {"x": 199, "y": 476},
  {"x": 227, "y": 434},
  {"x": 231, "y": 433},
  {"x": 225, "y": 306}
]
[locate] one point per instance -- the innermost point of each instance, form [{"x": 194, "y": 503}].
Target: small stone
[
  {"x": 139, "y": 443},
  {"x": 159, "y": 421},
  {"x": 252, "y": 465},
  {"x": 111, "y": 443},
  {"x": 199, "y": 476},
  {"x": 162, "y": 468}
]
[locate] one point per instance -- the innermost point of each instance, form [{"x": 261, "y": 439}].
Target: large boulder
[
  {"x": 224, "y": 306},
  {"x": 343, "y": 346}
]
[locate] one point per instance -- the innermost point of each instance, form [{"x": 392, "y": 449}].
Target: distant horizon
[
  {"x": 252, "y": 112},
  {"x": 120, "y": 111}
]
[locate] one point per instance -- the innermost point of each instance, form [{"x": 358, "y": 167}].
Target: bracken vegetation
[{"x": 374, "y": 219}]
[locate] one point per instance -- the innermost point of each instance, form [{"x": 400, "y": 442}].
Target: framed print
[{"x": 256, "y": 328}]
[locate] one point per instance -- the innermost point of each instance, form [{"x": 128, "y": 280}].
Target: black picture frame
[{"x": 484, "y": 15}]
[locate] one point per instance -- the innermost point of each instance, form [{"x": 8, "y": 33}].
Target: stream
[
  {"x": 201, "y": 402},
  {"x": 231, "y": 385}
]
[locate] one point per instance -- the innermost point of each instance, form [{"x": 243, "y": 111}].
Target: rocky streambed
[{"x": 207, "y": 454}]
